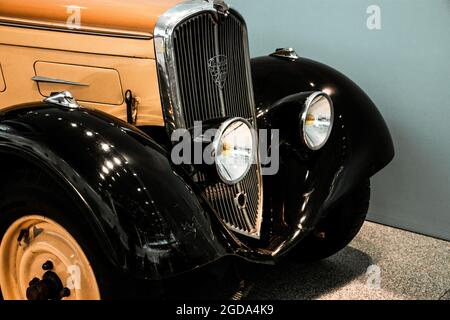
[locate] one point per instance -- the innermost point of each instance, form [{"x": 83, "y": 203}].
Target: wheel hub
[
  {"x": 49, "y": 288},
  {"x": 40, "y": 260}
]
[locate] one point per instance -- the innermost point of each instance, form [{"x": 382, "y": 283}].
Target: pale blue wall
[{"x": 405, "y": 69}]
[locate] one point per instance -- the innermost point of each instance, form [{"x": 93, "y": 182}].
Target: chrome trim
[
  {"x": 308, "y": 103},
  {"x": 63, "y": 99},
  {"x": 170, "y": 89},
  {"x": 58, "y": 81},
  {"x": 285, "y": 53},
  {"x": 165, "y": 58}
]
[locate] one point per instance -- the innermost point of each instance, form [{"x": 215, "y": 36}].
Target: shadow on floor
[
  {"x": 294, "y": 280},
  {"x": 288, "y": 280}
]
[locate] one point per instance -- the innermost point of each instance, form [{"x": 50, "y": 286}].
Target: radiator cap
[{"x": 285, "y": 53}]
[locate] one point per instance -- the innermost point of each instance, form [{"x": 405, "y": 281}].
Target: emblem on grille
[{"x": 218, "y": 68}]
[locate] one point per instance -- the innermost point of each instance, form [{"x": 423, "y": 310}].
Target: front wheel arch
[
  {"x": 13, "y": 160},
  {"x": 337, "y": 228},
  {"x": 34, "y": 194},
  {"x": 369, "y": 145}
]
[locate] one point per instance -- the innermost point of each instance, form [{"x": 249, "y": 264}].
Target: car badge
[{"x": 218, "y": 68}]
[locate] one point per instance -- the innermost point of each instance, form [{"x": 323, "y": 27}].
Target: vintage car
[{"x": 93, "y": 204}]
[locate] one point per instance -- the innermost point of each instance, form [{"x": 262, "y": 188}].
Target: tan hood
[{"x": 122, "y": 16}]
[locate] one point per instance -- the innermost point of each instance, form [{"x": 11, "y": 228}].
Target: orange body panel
[
  {"x": 131, "y": 15},
  {"x": 100, "y": 85},
  {"x": 112, "y": 50}
]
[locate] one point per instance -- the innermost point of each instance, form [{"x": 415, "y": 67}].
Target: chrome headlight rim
[
  {"x": 217, "y": 141},
  {"x": 310, "y": 101}
]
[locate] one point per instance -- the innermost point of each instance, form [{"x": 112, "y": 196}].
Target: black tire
[
  {"x": 337, "y": 229},
  {"x": 28, "y": 191}
]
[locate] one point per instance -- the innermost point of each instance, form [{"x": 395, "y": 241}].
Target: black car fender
[
  {"x": 309, "y": 182},
  {"x": 370, "y": 146},
  {"x": 148, "y": 217}
]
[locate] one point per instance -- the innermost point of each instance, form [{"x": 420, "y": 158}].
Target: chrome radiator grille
[
  {"x": 197, "y": 42},
  {"x": 223, "y": 199}
]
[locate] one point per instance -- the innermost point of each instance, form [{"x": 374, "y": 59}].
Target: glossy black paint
[
  {"x": 152, "y": 219},
  {"x": 146, "y": 215},
  {"x": 310, "y": 183},
  {"x": 275, "y": 79}
]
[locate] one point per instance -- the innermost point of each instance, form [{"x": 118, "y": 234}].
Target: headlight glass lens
[
  {"x": 317, "y": 120},
  {"x": 234, "y": 149}
]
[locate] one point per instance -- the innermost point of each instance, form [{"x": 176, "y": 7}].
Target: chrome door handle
[{"x": 59, "y": 81}]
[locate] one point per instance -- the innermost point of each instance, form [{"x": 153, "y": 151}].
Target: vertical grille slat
[
  {"x": 199, "y": 76},
  {"x": 209, "y": 53},
  {"x": 197, "y": 41},
  {"x": 251, "y": 208},
  {"x": 234, "y": 87}
]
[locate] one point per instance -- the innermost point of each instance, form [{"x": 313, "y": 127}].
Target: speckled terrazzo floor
[{"x": 411, "y": 266}]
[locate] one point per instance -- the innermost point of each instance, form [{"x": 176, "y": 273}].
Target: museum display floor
[{"x": 403, "y": 265}]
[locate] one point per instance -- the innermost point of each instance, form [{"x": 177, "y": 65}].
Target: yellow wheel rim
[{"x": 42, "y": 240}]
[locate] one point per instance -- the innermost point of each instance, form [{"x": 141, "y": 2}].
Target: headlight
[
  {"x": 317, "y": 120},
  {"x": 234, "y": 148}
]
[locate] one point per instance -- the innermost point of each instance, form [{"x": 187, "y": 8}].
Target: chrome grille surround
[{"x": 187, "y": 98}]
